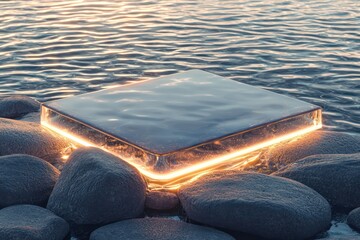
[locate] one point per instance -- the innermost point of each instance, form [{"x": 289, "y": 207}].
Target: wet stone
[
  {"x": 18, "y": 137},
  {"x": 335, "y": 176},
  {"x": 31, "y": 117},
  {"x": 258, "y": 204},
  {"x": 96, "y": 187},
  {"x": 354, "y": 219},
  {"x": 28, "y": 222},
  {"x": 157, "y": 228},
  {"x": 159, "y": 200},
  {"x": 25, "y": 179},
  {"x": 318, "y": 142},
  {"x": 17, "y": 106}
]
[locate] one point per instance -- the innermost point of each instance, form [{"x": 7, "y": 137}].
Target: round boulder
[
  {"x": 159, "y": 200},
  {"x": 354, "y": 219},
  {"x": 31, "y": 117},
  {"x": 335, "y": 176},
  {"x": 258, "y": 204},
  {"x": 18, "y": 137},
  {"x": 317, "y": 142},
  {"x": 17, "y": 106},
  {"x": 156, "y": 228},
  {"x": 96, "y": 187},
  {"x": 30, "y": 222},
  {"x": 25, "y": 179}
]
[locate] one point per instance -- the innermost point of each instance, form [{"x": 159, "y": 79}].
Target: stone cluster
[{"x": 44, "y": 196}]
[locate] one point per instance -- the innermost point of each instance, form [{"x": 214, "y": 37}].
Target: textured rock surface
[
  {"x": 96, "y": 187},
  {"x": 335, "y": 176},
  {"x": 16, "y": 106},
  {"x": 157, "y": 228},
  {"x": 18, "y": 137},
  {"x": 159, "y": 200},
  {"x": 354, "y": 219},
  {"x": 25, "y": 179},
  {"x": 267, "y": 206},
  {"x": 318, "y": 142},
  {"x": 31, "y": 117},
  {"x": 27, "y": 222}
]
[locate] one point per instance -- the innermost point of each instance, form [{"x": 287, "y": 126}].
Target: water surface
[{"x": 306, "y": 49}]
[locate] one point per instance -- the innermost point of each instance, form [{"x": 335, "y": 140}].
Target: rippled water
[{"x": 306, "y": 49}]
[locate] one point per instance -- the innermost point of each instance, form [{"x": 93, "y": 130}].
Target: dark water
[{"x": 306, "y": 49}]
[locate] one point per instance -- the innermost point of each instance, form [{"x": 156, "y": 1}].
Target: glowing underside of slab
[{"x": 173, "y": 175}]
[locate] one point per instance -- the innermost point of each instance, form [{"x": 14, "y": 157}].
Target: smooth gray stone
[
  {"x": 258, "y": 204},
  {"x": 317, "y": 142},
  {"x": 159, "y": 200},
  {"x": 156, "y": 229},
  {"x": 96, "y": 187},
  {"x": 16, "y": 106},
  {"x": 25, "y": 179},
  {"x": 335, "y": 176},
  {"x": 31, "y": 117},
  {"x": 28, "y": 222},
  {"x": 18, "y": 137},
  {"x": 353, "y": 219}
]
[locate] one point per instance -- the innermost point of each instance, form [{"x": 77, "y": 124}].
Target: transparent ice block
[{"x": 182, "y": 123}]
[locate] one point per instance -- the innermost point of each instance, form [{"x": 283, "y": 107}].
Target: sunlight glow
[{"x": 170, "y": 176}]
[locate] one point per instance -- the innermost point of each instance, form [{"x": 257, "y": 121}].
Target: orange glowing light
[{"x": 169, "y": 176}]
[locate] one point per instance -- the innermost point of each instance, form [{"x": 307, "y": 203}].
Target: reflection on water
[{"x": 306, "y": 49}]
